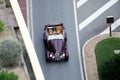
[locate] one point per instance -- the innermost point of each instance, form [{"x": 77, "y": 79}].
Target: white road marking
[
  {"x": 113, "y": 27},
  {"x": 27, "y": 41},
  {"x": 78, "y": 42},
  {"x": 97, "y": 13},
  {"x": 81, "y": 2}
]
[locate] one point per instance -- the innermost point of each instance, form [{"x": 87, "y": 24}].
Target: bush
[
  {"x": 5, "y": 75},
  {"x": 10, "y": 52},
  {"x": 1, "y": 1},
  {"x": 1, "y": 26},
  {"x": 110, "y": 70}
]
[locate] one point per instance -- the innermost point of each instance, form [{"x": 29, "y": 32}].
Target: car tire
[
  {"x": 47, "y": 60},
  {"x": 66, "y": 58}
]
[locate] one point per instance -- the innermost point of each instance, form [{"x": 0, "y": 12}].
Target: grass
[
  {"x": 1, "y": 1},
  {"x": 104, "y": 50},
  {"x": 1, "y": 26}
]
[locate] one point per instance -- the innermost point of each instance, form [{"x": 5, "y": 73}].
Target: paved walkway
[
  {"x": 7, "y": 16},
  {"x": 89, "y": 55}
]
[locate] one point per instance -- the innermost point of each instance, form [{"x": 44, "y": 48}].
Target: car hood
[{"x": 56, "y": 45}]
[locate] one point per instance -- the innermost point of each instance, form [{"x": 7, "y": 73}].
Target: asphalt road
[
  {"x": 43, "y": 12},
  {"x": 88, "y": 10},
  {"x": 56, "y": 11}
]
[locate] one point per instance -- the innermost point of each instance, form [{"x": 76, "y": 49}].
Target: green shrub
[
  {"x": 110, "y": 69},
  {"x": 10, "y": 52},
  {"x": 5, "y": 75},
  {"x": 1, "y": 26},
  {"x": 1, "y": 1}
]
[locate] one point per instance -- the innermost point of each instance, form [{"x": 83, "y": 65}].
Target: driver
[{"x": 50, "y": 31}]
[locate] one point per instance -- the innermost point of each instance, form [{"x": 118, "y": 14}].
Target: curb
[
  {"x": 83, "y": 53},
  {"x": 104, "y": 36}
]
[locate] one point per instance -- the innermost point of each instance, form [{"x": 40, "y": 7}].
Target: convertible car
[{"x": 55, "y": 42}]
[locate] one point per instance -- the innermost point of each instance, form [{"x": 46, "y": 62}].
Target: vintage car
[{"x": 55, "y": 42}]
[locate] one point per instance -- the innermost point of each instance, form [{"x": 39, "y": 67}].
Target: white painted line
[
  {"x": 97, "y": 13},
  {"x": 113, "y": 27},
  {"x": 81, "y": 2},
  {"x": 78, "y": 42},
  {"x": 27, "y": 40}
]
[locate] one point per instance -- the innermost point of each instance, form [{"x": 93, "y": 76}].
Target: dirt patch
[{"x": 7, "y": 33}]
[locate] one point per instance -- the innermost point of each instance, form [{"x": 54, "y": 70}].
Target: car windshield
[{"x": 51, "y": 37}]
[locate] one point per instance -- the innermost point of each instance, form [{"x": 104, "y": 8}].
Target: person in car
[
  {"x": 59, "y": 30},
  {"x": 50, "y": 31},
  {"x": 54, "y": 31}
]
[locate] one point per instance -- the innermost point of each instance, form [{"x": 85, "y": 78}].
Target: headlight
[
  {"x": 51, "y": 55},
  {"x": 63, "y": 54}
]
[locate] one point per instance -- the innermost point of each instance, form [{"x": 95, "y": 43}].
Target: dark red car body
[{"x": 55, "y": 44}]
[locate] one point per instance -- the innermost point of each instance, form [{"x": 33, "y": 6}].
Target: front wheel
[{"x": 66, "y": 58}]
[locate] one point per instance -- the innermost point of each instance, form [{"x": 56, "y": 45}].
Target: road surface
[
  {"x": 56, "y": 11},
  {"x": 89, "y": 16}
]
